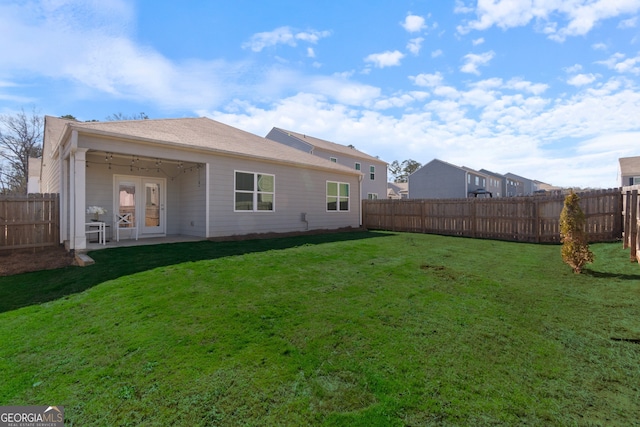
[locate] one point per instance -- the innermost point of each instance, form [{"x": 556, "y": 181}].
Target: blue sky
[{"x": 547, "y": 89}]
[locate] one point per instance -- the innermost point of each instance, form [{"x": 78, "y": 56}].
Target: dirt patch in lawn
[{"x": 24, "y": 260}]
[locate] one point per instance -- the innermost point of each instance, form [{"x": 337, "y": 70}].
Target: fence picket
[
  {"x": 29, "y": 221},
  {"x": 524, "y": 219}
]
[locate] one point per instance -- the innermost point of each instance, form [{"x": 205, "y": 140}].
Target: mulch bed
[{"x": 24, "y": 260}]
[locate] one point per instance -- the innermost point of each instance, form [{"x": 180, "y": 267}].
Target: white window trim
[
  {"x": 372, "y": 196},
  {"x": 372, "y": 172},
  {"x": 255, "y": 191},
  {"x": 333, "y": 159},
  {"x": 338, "y": 204},
  {"x": 358, "y": 166}
]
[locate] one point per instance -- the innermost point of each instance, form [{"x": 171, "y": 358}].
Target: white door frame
[{"x": 140, "y": 184}]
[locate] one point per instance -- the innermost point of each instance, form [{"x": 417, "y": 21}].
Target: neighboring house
[
  {"x": 441, "y": 180},
  {"x": 374, "y": 170},
  {"x": 33, "y": 180},
  {"x": 519, "y": 185},
  {"x": 194, "y": 177},
  {"x": 397, "y": 190},
  {"x": 629, "y": 170},
  {"x": 544, "y": 188},
  {"x": 496, "y": 183}
]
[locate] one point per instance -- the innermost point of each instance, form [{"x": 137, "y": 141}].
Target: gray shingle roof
[
  {"x": 201, "y": 133},
  {"x": 331, "y": 146}
]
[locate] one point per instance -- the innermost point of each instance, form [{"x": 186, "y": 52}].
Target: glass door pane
[
  {"x": 152, "y": 205},
  {"x": 127, "y": 199}
]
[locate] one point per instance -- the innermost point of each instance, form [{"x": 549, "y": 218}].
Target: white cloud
[
  {"x": 619, "y": 63},
  {"x": 473, "y": 61},
  {"x": 573, "y": 69},
  {"x": 582, "y": 79},
  {"x": 436, "y": 53},
  {"x": 427, "y": 80},
  {"x": 477, "y": 42},
  {"x": 385, "y": 59},
  {"x": 413, "y": 23},
  {"x": 283, "y": 35},
  {"x": 415, "y": 45},
  {"x": 578, "y": 16},
  {"x": 599, "y": 46},
  {"x": 628, "y": 23},
  {"x": 311, "y": 53}
]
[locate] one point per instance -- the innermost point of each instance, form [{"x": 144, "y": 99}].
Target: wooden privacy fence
[
  {"x": 523, "y": 219},
  {"x": 632, "y": 221},
  {"x": 29, "y": 221}
]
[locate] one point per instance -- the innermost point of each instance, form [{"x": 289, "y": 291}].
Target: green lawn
[{"x": 351, "y": 329}]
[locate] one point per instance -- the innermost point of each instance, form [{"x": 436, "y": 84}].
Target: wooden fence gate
[
  {"x": 523, "y": 219},
  {"x": 31, "y": 221}
]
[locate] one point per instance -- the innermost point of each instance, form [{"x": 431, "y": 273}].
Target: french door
[{"x": 144, "y": 198}]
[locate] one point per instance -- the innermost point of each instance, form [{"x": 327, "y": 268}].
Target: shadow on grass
[
  {"x": 607, "y": 275},
  {"x": 41, "y": 286}
]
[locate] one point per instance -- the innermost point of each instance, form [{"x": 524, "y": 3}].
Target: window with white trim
[
  {"x": 372, "y": 196},
  {"x": 254, "y": 192},
  {"x": 337, "y": 196},
  {"x": 372, "y": 173},
  {"x": 333, "y": 159},
  {"x": 358, "y": 166}
]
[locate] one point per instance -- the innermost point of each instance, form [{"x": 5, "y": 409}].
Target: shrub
[{"x": 575, "y": 249}]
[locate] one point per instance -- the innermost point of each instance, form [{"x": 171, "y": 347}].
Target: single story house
[
  {"x": 374, "y": 170},
  {"x": 194, "y": 177},
  {"x": 629, "y": 170}
]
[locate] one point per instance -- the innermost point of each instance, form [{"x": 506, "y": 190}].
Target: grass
[{"x": 346, "y": 329}]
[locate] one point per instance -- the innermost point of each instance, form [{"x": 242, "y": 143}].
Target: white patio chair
[
  {"x": 100, "y": 230},
  {"x": 125, "y": 222}
]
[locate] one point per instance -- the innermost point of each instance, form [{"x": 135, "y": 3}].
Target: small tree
[
  {"x": 575, "y": 249},
  {"x": 20, "y": 138}
]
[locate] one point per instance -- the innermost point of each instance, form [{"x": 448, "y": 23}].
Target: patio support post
[{"x": 79, "y": 159}]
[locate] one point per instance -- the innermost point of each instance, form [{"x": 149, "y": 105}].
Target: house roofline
[{"x": 69, "y": 127}]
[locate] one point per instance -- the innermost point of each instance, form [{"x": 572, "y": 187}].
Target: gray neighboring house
[
  {"x": 519, "y": 185},
  {"x": 441, "y": 180},
  {"x": 496, "y": 183},
  {"x": 192, "y": 177},
  {"x": 374, "y": 170},
  {"x": 629, "y": 170}
]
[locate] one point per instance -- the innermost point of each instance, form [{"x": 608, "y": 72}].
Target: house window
[
  {"x": 477, "y": 180},
  {"x": 357, "y": 166},
  {"x": 635, "y": 180},
  {"x": 468, "y": 179},
  {"x": 337, "y": 196},
  {"x": 333, "y": 159},
  {"x": 372, "y": 173},
  {"x": 372, "y": 196},
  {"x": 254, "y": 192}
]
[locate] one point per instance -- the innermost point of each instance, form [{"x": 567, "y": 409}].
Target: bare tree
[{"x": 20, "y": 138}]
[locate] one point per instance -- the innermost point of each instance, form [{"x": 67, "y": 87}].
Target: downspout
[{"x": 360, "y": 195}]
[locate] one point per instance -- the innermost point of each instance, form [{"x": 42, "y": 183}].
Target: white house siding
[
  {"x": 298, "y": 190},
  {"x": 191, "y": 189}
]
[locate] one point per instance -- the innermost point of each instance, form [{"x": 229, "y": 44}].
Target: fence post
[
  {"x": 633, "y": 228},
  {"x": 627, "y": 219}
]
